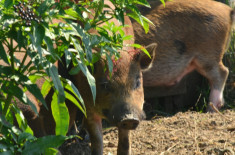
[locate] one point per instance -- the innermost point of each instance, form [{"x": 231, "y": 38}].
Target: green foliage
[{"x": 40, "y": 43}]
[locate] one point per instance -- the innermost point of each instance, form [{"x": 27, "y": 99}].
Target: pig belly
[
  {"x": 187, "y": 70},
  {"x": 169, "y": 77}
]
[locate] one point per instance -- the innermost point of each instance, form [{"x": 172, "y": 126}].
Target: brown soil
[{"x": 184, "y": 133}]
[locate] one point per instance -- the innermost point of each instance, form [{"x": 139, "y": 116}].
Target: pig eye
[
  {"x": 104, "y": 85},
  {"x": 137, "y": 82}
]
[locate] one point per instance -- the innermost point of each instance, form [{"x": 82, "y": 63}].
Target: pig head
[
  {"x": 190, "y": 35},
  {"x": 119, "y": 100}
]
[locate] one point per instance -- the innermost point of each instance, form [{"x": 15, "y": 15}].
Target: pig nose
[{"x": 129, "y": 124}]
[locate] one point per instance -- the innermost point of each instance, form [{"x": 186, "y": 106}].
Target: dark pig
[
  {"x": 119, "y": 100},
  {"x": 190, "y": 35}
]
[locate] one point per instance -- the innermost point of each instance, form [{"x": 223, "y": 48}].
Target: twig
[
  {"x": 162, "y": 153},
  {"x": 216, "y": 110}
]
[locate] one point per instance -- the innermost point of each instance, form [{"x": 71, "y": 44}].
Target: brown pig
[
  {"x": 190, "y": 35},
  {"x": 119, "y": 100}
]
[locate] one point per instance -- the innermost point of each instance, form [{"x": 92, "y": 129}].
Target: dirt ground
[{"x": 185, "y": 133}]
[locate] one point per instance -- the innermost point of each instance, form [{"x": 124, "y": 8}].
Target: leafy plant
[{"x": 40, "y": 32}]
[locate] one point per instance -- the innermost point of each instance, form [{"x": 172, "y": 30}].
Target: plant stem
[
  {"x": 23, "y": 61},
  {"x": 11, "y": 52}
]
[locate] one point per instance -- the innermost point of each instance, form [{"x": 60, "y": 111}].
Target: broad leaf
[
  {"x": 39, "y": 34},
  {"x": 50, "y": 47},
  {"x": 17, "y": 92},
  {"x": 90, "y": 79},
  {"x": 33, "y": 89},
  {"x": 61, "y": 115},
  {"x": 53, "y": 72},
  {"x": 51, "y": 151},
  {"x": 140, "y": 20},
  {"x": 46, "y": 87},
  {"x": 72, "y": 88},
  {"x": 41, "y": 144},
  {"x": 22, "y": 122},
  {"x": 25, "y": 137}
]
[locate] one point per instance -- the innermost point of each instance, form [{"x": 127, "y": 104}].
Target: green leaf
[
  {"x": 120, "y": 16},
  {"x": 17, "y": 92},
  {"x": 41, "y": 144},
  {"x": 142, "y": 2},
  {"x": 4, "y": 122},
  {"x": 5, "y": 70},
  {"x": 3, "y": 54},
  {"x": 39, "y": 34},
  {"x": 72, "y": 13},
  {"x": 8, "y": 3},
  {"x": 129, "y": 37},
  {"x": 146, "y": 21},
  {"x": 163, "y": 2},
  {"x": 137, "y": 13},
  {"x": 110, "y": 64},
  {"x": 42, "y": 8},
  {"x": 32, "y": 88},
  {"x": 20, "y": 39},
  {"x": 25, "y": 137},
  {"x": 9, "y": 152},
  {"x": 141, "y": 20},
  {"x": 22, "y": 122},
  {"x": 72, "y": 88},
  {"x": 78, "y": 29},
  {"x": 50, "y": 47},
  {"x": 74, "y": 101},
  {"x": 90, "y": 79},
  {"x": 51, "y": 151},
  {"x": 75, "y": 70},
  {"x": 99, "y": 9},
  {"x": 46, "y": 87},
  {"x": 141, "y": 48},
  {"x": 53, "y": 72},
  {"x": 61, "y": 116},
  {"x": 68, "y": 57}
]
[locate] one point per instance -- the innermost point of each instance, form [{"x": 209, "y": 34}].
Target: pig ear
[{"x": 144, "y": 60}]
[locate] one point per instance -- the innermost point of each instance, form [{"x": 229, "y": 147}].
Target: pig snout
[
  {"x": 129, "y": 122},
  {"x": 125, "y": 116}
]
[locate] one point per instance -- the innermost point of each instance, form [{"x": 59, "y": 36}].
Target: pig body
[{"x": 190, "y": 35}]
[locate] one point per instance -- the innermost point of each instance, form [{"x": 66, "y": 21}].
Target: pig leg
[
  {"x": 217, "y": 76},
  {"x": 124, "y": 144},
  {"x": 217, "y": 87},
  {"x": 93, "y": 125}
]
